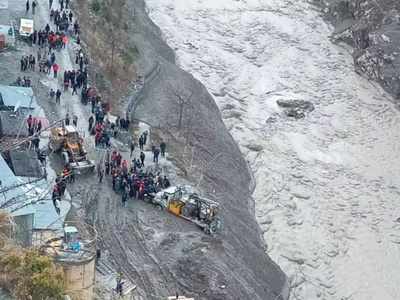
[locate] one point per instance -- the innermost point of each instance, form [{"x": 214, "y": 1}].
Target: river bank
[
  {"x": 326, "y": 185},
  {"x": 227, "y": 266}
]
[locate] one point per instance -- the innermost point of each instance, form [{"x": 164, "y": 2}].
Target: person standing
[
  {"x": 142, "y": 158},
  {"x": 39, "y": 126},
  {"x": 124, "y": 195},
  {"x": 75, "y": 120},
  {"x": 91, "y": 121},
  {"x": 155, "y": 155},
  {"x": 107, "y": 167},
  {"x": 132, "y": 146},
  {"x": 141, "y": 142},
  {"x": 58, "y": 96},
  {"x": 27, "y": 6},
  {"x": 166, "y": 183},
  {"x": 163, "y": 147},
  {"x": 33, "y": 6},
  {"x": 145, "y": 137},
  {"x": 114, "y": 179},
  {"x": 67, "y": 119},
  {"x": 36, "y": 141},
  {"x": 100, "y": 174},
  {"x": 74, "y": 88},
  {"x": 55, "y": 69},
  {"x": 33, "y": 63},
  {"x": 30, "y": 122},
  {"x": 52, "y": 94}
]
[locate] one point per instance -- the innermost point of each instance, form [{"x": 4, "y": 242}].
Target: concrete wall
[
  {"x": 80, "y": 279},
  {"x": 23, "y": 233}
]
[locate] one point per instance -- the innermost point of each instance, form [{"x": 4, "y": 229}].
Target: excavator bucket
[{"x": 83, "y": 166}]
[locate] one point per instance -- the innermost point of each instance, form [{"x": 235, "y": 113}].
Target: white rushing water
[{"x": 328, "y": 185}]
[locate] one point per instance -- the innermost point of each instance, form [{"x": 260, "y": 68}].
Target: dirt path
[{"x": 120, "y": 229}]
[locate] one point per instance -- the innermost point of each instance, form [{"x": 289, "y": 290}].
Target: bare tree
[
  {"x": 113, "y": 11},
  {"x": 184, "y": 101}
]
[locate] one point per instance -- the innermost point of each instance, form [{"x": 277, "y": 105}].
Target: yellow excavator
[{"x": 66, "y": 140}]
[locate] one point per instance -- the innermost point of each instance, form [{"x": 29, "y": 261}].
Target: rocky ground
[
  {"x": 158, "y": 252},
  {"x": 373, "y": 29}
]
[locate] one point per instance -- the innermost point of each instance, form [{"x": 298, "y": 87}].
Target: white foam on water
[{"x": 328, "y": 185}]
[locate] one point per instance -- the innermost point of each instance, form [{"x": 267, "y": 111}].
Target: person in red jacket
[
  {"x": 125, "y": 167},
  {"x": 64, "y": 41},
  {"x": 56, "y": 68},
  {"x": 141, "y": 190}
]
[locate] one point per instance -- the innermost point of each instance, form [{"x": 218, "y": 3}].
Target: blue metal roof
[
  {"x": 17, "y": 96},
  {"x": 45, "y": 216},
  {"x": 8, "y": 178}
]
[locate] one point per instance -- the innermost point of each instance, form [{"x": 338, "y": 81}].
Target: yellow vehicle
[
  {"x": 66, "y": 140},
  {"x": 181, "y": 202}
]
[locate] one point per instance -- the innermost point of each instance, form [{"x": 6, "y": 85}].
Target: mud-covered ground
[{"x": 158, "y": 252}]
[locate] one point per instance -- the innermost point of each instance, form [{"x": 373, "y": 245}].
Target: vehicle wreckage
[{"x": 182, "y": 202}]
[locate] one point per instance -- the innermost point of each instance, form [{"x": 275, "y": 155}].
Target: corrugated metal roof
[
  {"x": 8, "y": 178},
  {"x": 45, "y": 216},
  {"x": 26, "y": 163},
  {"x": 13, "y": 124},
  {"x": 17, "y": 96}
]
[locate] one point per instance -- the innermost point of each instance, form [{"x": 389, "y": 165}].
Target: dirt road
[{"x": 122, "y": 231}]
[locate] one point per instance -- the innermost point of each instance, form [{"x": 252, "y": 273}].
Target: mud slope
[
  {"x": 239, "y": 261},
  {"x": 232, "y": 265}
]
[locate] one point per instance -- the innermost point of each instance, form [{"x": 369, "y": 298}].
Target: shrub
[{"x": 32, "y": 275}]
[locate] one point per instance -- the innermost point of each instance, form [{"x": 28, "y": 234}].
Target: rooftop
[
  {"x": 77, "y": 244},
  {"x": 29, "y": 195},
  {"x": 5, "y": 30},
  {"x": 25, "y": 163},
  {"x": 17, "y": 97},
  {"x": 13, "y": 124}
]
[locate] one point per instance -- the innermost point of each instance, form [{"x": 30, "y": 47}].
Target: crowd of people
[
  {"x": 49, "y": 41},
  {"x": 25, "y": 81},
  {"x": 34, "y": 125},
  {"x": 130, "y": 179},
  {"x": 28, "y": 63}
]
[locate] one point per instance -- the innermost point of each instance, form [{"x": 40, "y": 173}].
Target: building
[
  {"x": 28, "y": 199},
  {"x": 13, "y": 123},
  {"x": 16, "y": 104},
  {"x": 24, "y": 163},
  {"x": 7, "y": 35},
  {"x": 75, "y": 253},
  {"x": 16, "y": 97}
]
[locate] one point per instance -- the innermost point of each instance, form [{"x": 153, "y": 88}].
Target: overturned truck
[{"x": 180, "y": 201}]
